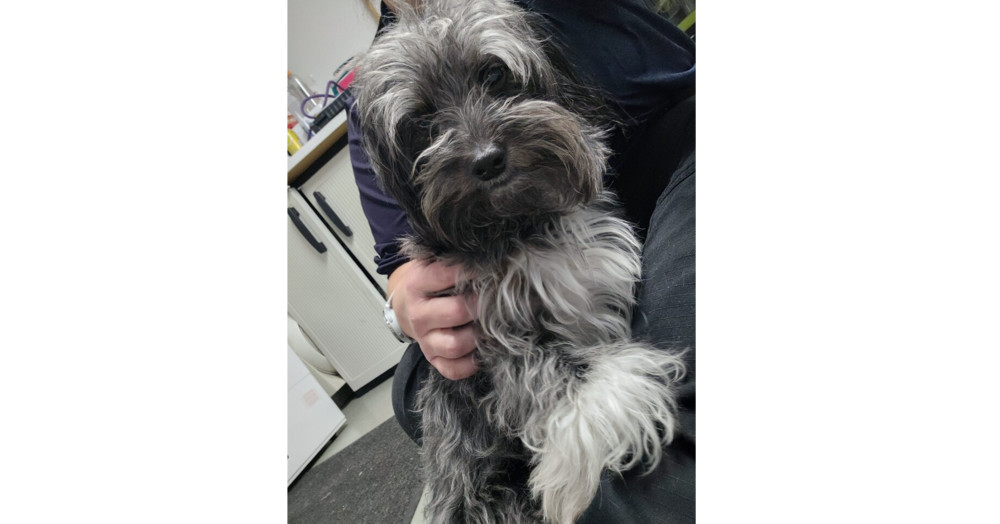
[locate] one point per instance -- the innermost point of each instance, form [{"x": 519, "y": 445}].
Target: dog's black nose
[{"x": 489, "y": 163}]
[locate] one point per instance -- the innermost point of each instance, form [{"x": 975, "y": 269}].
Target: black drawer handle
[
  {"x": 331, "y": 213},
  {"x": 316, "y": 244}
]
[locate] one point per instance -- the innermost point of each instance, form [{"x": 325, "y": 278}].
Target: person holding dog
[{"x": 644, "y": 67}]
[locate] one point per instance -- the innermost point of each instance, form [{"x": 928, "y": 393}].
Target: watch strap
[{"x": 393, "y": 322}]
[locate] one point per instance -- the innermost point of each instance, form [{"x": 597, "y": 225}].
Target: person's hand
[{"x": 441, "y": 324}]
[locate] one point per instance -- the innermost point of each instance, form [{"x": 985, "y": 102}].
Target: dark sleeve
[
  {"x": 386, "y": 219},
  {"x": 639, "y": 58}
]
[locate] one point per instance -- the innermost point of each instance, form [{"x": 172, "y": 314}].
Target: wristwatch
[{"x": 393, "y": 323}]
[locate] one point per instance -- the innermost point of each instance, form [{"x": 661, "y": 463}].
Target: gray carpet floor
[{"x": 374, "y": 480}]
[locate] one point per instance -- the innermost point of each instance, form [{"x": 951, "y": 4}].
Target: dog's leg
[
  {"x": 448, "y": 459},
  {"x": 473, "y": 474},
  {"x": 618, "y": 414}
]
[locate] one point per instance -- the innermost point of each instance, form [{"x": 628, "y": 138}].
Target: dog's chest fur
[
  {"x": 562, "y": 391},
  {"x": 568, "y": 287}
]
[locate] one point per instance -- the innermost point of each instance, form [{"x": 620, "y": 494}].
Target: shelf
[{"x": 319, "y": 144}]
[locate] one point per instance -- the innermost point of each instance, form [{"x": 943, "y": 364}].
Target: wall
[{"x": 324, "y": 33}]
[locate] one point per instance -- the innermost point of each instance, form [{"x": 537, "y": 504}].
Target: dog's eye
[
  {"x": 415, "y": 134},
  {"x": 492, "y": 76},
  {"x": 422, "y": 123},
  {"x": 496, "y": 78}
]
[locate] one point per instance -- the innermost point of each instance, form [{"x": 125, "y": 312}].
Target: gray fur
[{"x": 562, "y": 392}]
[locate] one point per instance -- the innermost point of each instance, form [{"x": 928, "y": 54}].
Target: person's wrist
[
  {"x": 396, "y": 290},
  {"x": 392, "y": 321}
]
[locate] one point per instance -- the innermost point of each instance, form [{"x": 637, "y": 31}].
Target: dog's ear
[
  {"x": 391, "y": 168},
  {"x": 392, "y": 174}
]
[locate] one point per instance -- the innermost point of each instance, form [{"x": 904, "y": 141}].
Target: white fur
[{"x": 621, "y": 415}]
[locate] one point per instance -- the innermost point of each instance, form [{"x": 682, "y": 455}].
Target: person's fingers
[
  {"x": 449, "y": 343},
  {"x": 441, "y": 323},
  {"x": 455, "y": 369},
  {"x": 443, "y": 312}
]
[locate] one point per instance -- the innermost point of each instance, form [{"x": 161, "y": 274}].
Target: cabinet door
[
  {"x": 334, "y": 194},
  {"x": 334, "y": 302}
]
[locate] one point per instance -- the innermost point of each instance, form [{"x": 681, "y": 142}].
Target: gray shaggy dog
[{"x": 475, "y": 125}]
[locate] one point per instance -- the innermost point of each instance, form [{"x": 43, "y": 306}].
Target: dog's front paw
[
  {"x": 619, "y": 416},
  {"x": 565, "y": 479}
]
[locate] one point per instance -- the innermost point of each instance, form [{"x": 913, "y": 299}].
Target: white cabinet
[
  {"x": 334, "y": 194},
  {"x": 330, "y": 296}
]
